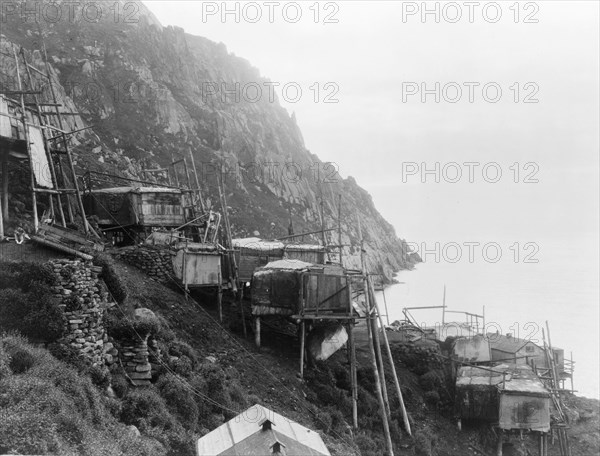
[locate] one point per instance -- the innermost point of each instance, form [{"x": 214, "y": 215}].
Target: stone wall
[
  {"x": 84, "y": 301},
  {"x": 154, "y": 261}
]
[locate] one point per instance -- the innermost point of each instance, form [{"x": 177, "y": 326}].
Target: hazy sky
[{"x": 379, "y": 53}]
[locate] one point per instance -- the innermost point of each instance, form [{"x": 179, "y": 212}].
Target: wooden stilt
[
  {"x": 499, "y": 444},
  {"x": 353, "y": 378},
  {"x": 382, "y": 411},
  {"x": 79, "y": 201},
  {"x": 241, "y": 301},
  {"x": 42, "y": 122},
  {"x": 341, "y": 248},
  {"x": 257, "y": 331},
  {"x": 220, "y": 301},
  {"x": 381, "y": 369},
  {"x": 2, "y": 207},
  {"x": 5, "y": 190},
  {"x": 36, "y": 222},
  {"x": 394, "y": 373},
  {"x": 302, "y": 340},
  {"x": 198, "y": 191},
  {"x": 378, "y": 388}
]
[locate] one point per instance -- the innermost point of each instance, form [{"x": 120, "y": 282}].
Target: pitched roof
[
  {"x": 506, "y": 344},
  {"x": 243, "y": 435}
]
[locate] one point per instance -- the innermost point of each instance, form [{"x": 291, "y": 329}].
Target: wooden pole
[
  {"x": 241, "y": 301},
  {"x": 377, "y": 345},
  {"x": 340, "y": 228},
  {"x": 499, "y": 444},
  {"x": 66, "y": 145},
  {"x": 323, "y": 230},
  {"x": 199, "y": 192},
  {"x": 47, "y": 147},
  {"x": 257, "y": 331},
  {"x": 353, "y": 377},
  {"x": 220, "y": 298},
  {"x": 2, "y": 164},
  {"x": 231, "y": 263},
  {"x": 302, "y": 340},
  {"x": 444, "y": 307},
  {"x": 572, "y": 373},
  {"x": 28, "y": 145},
  {"x": 394, "y": 373},
  {"x": 5, "y": 189},
  {"x": 387, "y": 313},
  {"x": 378, "y": 387}
]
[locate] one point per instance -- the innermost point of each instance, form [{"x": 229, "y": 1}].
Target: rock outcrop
[{"x": 154, "y": 94}]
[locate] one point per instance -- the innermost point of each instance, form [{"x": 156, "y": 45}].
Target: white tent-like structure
[{"x": 260, "y": 431}]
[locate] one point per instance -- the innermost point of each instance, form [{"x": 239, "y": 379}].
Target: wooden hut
[
  {"x": 507, "y": 348},
  {"x": 474, "y": 349},
  {"x": 136, "y": 206},
  {"x": 253, "y": 253},
  {"x": 197, "y": 265},
  {"x": 508, "y": 394},
  {"x": 294, "y": 287},
  {"x": 524, "y": 401},
  {"x": 310, "y": 253}
]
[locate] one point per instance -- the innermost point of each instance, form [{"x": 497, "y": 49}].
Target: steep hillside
[{"x": 153, "y": 94}]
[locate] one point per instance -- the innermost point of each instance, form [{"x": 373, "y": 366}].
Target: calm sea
[{"x": 562, "y": 288}]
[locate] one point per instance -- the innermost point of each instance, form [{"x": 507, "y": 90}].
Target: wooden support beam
[
  {"x": 394, "y": 373},
  {"x": 378, "y": 387},
  {"x": 302, "y": 342},
  {"x": 379, "y": 358},
  {"x": 26, "y": 137},
  {"x": 353, "y": 376},
  {"x": 66, "y": 146},
  {"x": 241, "y": 301},
  {"x": 2, "y": 165},
  {"x": 257, "y": 331}
]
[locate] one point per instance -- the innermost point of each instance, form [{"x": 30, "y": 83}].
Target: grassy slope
[{"x": 270, "y": 378}]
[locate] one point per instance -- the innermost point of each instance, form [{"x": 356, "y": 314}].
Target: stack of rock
[
  {"x": 155, "y": 261},
  {"x": 84, "y": 301},
  {"x": 134, "y": 357}
]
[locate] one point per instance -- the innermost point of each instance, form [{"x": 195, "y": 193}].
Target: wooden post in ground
[
  {"x": 340, "y": 228},
  {"x": 378, "y": 388},
  {"x": 4, "y": 205},
  {"x": 1, "y": 207},
  {"x": 257, "y": 331},
  {"x": 499, "y": 444},
  {"x": 353, "y": 382},
  {"x": 377, "y": 345},
  {"x": 302, "y": 341},
  {"x": 394, "y": 373},
  {"x": 382, "y": 409},
  {"x": 220, "y": 300},
  {"x": 241, "y": 300}
]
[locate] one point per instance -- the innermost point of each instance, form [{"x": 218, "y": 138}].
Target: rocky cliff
[{"x": 155, "y": 94}]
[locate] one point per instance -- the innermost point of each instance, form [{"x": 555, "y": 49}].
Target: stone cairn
[
  {"x": 135, "y": 360},
  {"x": 154, "y": 261},
  {"x": 136, "y": 356},
  {"x": 84, "y": 301}
]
